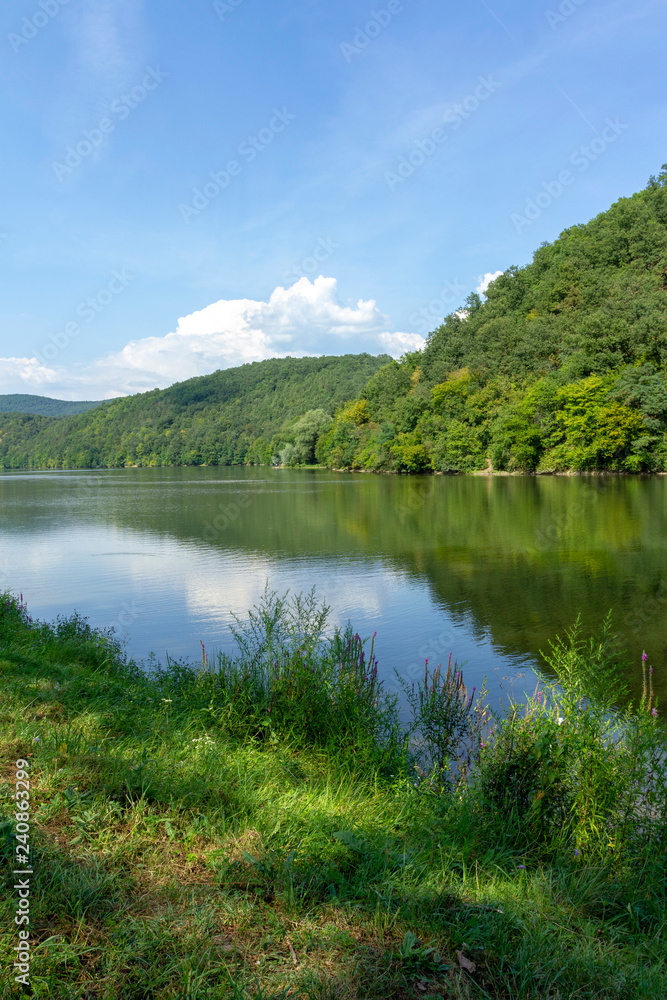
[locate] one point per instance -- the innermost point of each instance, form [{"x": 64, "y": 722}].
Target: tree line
[{"x": 563, "y": 366}]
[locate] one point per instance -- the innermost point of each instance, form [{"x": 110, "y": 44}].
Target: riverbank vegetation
[
  {"x": 562, "y": 367},
  {"x": 270, "y": 825}
]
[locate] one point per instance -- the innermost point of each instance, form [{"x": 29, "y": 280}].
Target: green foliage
[
  {"x": 289, "y": 679},
  {"x": 236, "y": 416},
  {"x": 590, "y": 430},
  {"x": 579, "y": 770},
  {"x": 447, "y": 722},
  {"x": 43, "y": 405},
  {"x": 458, "y": 449},
  {"x": 449, "y": 397},
  {"x": 562, "y": 367},
  {"x": 410, "y": 454},
  {"x": 183, "y": 843}
]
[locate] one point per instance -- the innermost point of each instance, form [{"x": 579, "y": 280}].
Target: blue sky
[{"x": 189, "y": 186}]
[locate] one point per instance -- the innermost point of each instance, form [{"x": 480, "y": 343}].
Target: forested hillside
[
  {"x": 44, "y": 405},
  {"x": 246, "y": 414},
  {"x": 563, "y": 367}
]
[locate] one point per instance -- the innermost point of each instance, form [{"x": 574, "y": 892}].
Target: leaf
[
  {"x": 409, "y": 942},
  {"x": 350, "y": 839},
  {"x": 465, "y": 963}
]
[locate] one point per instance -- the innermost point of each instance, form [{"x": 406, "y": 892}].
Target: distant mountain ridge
[
  {"x": 44, "y": 406},
  {"x": 233, "y": 416}
]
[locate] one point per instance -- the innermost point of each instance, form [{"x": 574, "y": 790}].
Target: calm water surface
[{"x": 490, "y": 568}]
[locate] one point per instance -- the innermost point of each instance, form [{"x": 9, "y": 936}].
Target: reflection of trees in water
[{"x": 516, "y": 557}]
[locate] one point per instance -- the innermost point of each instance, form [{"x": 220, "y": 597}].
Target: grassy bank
[{"x": 264, "y": 827}]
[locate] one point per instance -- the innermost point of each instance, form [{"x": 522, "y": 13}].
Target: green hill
[
  {"x": 43, "y": 405},
  {"x": 563, "y": 367},
  {"x": 239, "y": 415}
]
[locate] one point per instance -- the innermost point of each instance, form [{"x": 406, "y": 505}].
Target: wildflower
[
  {"x": 521, "y": 866},
  {"x": 560, "y": 720},
  {"x": 644, "y": 656},
  {"x": 654, "y": 713},
  {"x": 35, "y": 738},
  {"x": 576, "y": 852}
]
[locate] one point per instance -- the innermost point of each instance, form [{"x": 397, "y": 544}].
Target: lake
[{"x": 488, "y": 567}]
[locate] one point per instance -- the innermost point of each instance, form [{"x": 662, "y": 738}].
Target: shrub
[{"x": 579, "y": 767}]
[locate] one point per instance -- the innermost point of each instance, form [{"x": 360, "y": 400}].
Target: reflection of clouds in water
[
  {"x": 69, "y": 569},
  {"x": 163, "y": 594},
  {"x": 236, "y": 586}
]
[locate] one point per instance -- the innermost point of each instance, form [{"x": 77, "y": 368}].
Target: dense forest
[
  {"x": 252, "y": 414},
  {"x": 44, "y": 405},
  {"x": 563, "y": 366}
]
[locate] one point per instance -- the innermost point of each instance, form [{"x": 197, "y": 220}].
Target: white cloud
[
  {"x": 485, "y": 280},
  {"x": 306, "y": 319},
  {"x": 398, "y": 343}
]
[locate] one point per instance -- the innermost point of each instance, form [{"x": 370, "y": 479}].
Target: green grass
[{"x": 187, "y": 845}]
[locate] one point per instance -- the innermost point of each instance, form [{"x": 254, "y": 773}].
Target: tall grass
[{"x": 265, "y": 825}]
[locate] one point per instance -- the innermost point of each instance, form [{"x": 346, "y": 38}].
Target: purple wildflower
[
  {"x": 654, "y": 713},
  {"x": 644, "y": 656}
]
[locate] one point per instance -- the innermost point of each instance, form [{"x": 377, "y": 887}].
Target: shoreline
[
  {"x": 189, "y": 832},
  {"x": 488, "y": 472}
]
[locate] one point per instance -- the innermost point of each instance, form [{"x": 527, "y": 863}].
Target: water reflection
[{"x": 488, "y": 567}]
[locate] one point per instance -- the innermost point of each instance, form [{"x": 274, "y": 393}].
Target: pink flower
[
  {"x": 644, "y": 656},
  {"x": 654, "y": 713}
]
